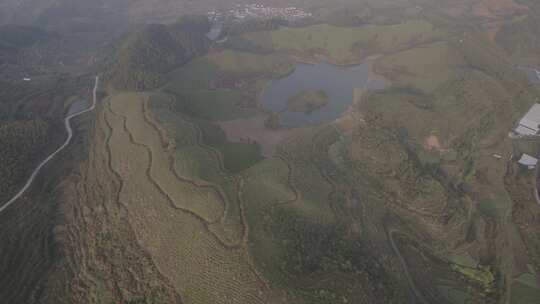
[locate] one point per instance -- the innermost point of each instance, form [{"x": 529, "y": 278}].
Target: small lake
[{"x": 338, "y": 83}]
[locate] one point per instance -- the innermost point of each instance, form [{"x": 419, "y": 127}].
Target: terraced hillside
[
  {"x": 191, "y": 230},
  {"x": 185, "y": 188},
  {"x": 375, "y": 207}
]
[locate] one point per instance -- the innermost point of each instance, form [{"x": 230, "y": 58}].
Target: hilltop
[
  {"x": 146, "y": 54},
  {"x": 14, "y": 38}
]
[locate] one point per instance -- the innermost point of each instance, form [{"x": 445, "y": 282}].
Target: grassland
[
  {"x": 425, "y": 68},
  {"x": 213, "y": 105},
  {"x": 522, "y": 294},
  {"x": 236, "y": 62},
  {"x": 311, "y": 211},
  {"x": 195, "y": 75},
  {"x": 311, "y": 222},
  {"x": 281, "y": 201},
  {"x": 193, "y": 159},
  {"x": 22, "y": 141},
  {"x": 170, "y": 208},
  {"x": 347, "y": 44},
  {"x": 295, "y": 238},
  {"x": 223, "y": 87}
]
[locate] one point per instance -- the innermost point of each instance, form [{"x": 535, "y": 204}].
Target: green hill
[
  {"x": 15, "y": 37},
  {"x": 145, "y": 55},
  {"x": 519, "y": 37}
]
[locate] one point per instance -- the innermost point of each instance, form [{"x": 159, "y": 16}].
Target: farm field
[{"x": 347, "y": 45}]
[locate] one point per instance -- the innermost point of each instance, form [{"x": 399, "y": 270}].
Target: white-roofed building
[
  {"x": 530, "y": 123},
  {"x": 528, "y": 161}
]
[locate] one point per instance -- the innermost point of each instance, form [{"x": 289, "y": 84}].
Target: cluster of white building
[
  {"x": 528, "y": 126},
  {"x": 259, "y": 11}
]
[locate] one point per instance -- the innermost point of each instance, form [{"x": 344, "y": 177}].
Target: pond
[{"x": 337, "y": 82}]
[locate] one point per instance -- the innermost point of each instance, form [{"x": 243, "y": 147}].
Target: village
[{"x": 259, "y": 11}]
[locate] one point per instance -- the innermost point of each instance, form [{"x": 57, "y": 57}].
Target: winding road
[{"x": 67, "y": 123}]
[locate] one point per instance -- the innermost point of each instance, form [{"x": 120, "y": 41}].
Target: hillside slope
[
  {"x": 146, "y": 55},
  {"x": 13, "y": 38}
]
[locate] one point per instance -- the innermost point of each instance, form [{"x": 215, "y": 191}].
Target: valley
[{"x": 362, "y": 155}]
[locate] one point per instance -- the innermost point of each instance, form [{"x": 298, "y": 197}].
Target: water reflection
[{"x": 338, "y": 83}]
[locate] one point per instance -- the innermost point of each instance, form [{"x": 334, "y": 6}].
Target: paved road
[{"x": 67, "y": 123}]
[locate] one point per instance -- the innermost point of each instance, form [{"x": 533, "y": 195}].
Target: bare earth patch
[
  {"x": 432, "y": 143},
  {"x": 253, "y": 129}
]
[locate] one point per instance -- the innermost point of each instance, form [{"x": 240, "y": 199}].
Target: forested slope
[{"x": 145, "y": 55}]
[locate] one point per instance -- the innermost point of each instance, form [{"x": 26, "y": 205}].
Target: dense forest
[
  {"x": 145, "y": 55},
  {"x": 21, "y": 142},
  {"x": 14, "y": 37}
]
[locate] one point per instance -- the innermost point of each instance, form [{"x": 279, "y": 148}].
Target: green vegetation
[
  {"x": 193, "y": 23},
  {"x": 196, "y": 75},
  {"x": 307, "y": 101},
  {"x": 21, "y": 143},
  {"x": 236, "y": 156},
  {"x": 525, "y": 289},
  {"x": 214, "y": 105},
  {"x": 246, "y": 64},
  {"x": 347, "y": 44},
  {"x": 453, "y": 295},
  {"x": 13, "y": 38},
  {"x": 310, "y": 247},
  {"x": 524, "y": 294},
  {"x": 315, "y": 221},
  {"x": 425, "y": 68},
  {"x": 519, "y": 37},
  {"x": 146, "y": 55},
  {"x": 21, "y": 36},
  {"x": 174, "y": 210},
  {"x": 481, "y": 275}
]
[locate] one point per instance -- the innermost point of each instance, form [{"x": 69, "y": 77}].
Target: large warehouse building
[{"x": 530, "y": 123}]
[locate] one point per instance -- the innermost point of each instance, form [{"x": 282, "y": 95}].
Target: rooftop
[
  {"x": 528, "y": 161},
  {"x": 529, "y": 124}
]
